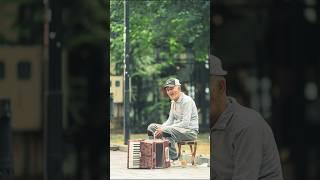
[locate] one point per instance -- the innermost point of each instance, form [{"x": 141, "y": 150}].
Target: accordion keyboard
[{"x": 134, "y": 154}]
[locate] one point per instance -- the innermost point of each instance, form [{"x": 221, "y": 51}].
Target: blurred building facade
[
  {"x": 23, "y": 80},
  {"x": 116, "y": 104},
  {"x": 21, "y": 83}
]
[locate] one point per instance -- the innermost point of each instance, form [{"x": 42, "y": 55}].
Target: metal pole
[
  {"x": 53, "y": 140},
  {"x": 126, "y": 70}
]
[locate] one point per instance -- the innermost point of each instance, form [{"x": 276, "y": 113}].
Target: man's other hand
[{"x": 158, "y": 133}]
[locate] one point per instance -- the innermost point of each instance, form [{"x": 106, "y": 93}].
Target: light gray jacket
[{"x": 183, "y": 113}]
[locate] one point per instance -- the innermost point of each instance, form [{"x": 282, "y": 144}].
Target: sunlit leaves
[{"x": 166, "y": 25}]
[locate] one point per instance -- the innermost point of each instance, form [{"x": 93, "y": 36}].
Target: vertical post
[
  {"x": 111, "y": 106},
  {"x": 210, "y": 99},
  {"x": 211, "y": 29},
  {"x": 53, "y": 124},
  {"x": 6, "y": 165},
  {"x": 190, "y": 63},
  {"x": 126, "y": 70}
]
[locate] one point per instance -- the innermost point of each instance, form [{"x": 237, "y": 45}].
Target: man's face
[{"x": 173, "y": 92}]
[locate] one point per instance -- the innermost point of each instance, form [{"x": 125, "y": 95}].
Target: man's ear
[
  {"x": 164, "y": 92},
  {"x": 222, "y": 86}
]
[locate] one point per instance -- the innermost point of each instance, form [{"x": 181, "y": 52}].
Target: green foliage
[
  {"x": 165, "y": 26},
  {"x": 159, "y": 31},
  {"x": 84, "y": 22}
]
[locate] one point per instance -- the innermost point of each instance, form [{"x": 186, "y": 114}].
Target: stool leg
[
  {"x": 191, "y": 147},
  {"x": 192, "y": 160},
  {"x": 179, "y": 148},
  {"x": 194, "y": 153}
]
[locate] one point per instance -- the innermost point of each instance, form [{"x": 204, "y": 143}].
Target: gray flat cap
[
  {"x": 171, "y": 82},
  {"x": 216, "y": 66}
]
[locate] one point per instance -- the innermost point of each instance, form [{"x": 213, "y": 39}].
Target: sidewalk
[{"x": 118, "y": 170}]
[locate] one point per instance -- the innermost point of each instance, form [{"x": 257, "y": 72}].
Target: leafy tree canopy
[
  {"x": 159, "y": 31},
  {"x": 160, "y": 34}
]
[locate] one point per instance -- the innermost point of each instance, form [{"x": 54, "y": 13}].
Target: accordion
[{"x": 148, "y": 154}]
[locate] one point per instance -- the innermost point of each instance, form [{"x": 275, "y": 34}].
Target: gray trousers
[{"x": 176, "y": 134}]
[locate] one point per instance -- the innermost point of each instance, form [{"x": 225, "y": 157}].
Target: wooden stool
[{"x": 193, "y": 150}]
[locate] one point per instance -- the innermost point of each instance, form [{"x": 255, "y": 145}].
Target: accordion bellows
[{"x": 148, "y": 154}]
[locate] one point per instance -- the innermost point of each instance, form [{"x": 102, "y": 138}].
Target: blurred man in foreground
[{"x": 242, "y": 143}]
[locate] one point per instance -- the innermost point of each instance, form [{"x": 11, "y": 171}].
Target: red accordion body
[{"x": 148, "y": 154}]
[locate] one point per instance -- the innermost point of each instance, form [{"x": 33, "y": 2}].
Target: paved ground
[{"x": 118, "y": 170}]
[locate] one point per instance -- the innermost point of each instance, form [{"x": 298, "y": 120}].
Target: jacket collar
[{"x": 225, "y": 117}]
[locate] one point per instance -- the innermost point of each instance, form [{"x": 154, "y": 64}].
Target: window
[
  {"x": 2, "y": 70},
  {"x": 24, "y": 70},
  {"x": 117, "y": 83}
]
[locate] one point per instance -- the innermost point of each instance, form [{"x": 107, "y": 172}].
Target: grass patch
[{"x": 202, "y": 148}]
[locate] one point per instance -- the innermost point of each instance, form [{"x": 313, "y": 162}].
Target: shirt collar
[{"x": 225, "y": 117}]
